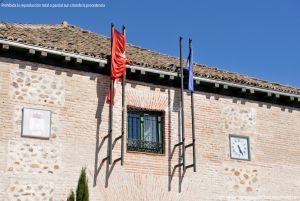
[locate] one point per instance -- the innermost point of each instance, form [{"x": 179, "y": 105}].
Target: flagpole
[
  {"x": 182, "y": 106},
  {"x": 123, "y": 111},
  {"x": 111, "y": 103},
  {"x": 193, "y": 119}
]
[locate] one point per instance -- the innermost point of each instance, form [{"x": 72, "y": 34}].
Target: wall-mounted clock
[{"x": 239, "y": 147}]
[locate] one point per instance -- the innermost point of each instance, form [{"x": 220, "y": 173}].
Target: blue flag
[{"x": 189, "y": 67}]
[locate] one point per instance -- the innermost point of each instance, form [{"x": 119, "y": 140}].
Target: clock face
[{"x": 239, "y": 147}]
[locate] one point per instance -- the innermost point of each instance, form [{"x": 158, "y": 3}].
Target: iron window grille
[{"x": 145, "y": 132}]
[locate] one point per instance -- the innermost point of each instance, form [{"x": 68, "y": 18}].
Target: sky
[{"x": 259, "y": 38}]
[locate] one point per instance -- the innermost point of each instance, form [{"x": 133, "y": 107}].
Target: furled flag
[
  {"x": 118, "y": 59},
  {"x": 189, "y": 67}
]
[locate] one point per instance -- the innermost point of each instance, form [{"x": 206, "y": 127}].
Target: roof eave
[{"x": 102, "y": 62}]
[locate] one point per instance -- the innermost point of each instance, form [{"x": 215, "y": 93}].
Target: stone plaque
[{"x": 36, "y": 123}]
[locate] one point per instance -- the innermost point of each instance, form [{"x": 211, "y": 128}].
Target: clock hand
[{"x": 240, "y": 150}]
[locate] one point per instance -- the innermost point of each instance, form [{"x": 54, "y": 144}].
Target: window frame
[{"x": 159, "y": 130}]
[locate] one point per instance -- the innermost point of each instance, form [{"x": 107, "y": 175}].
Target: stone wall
[
  {"x": 33, "y": 157},
  {"x": 37, "y": 88},
  {"x": 30, "y": 192},
  {"x": 239, "y": 119},
  {"x": 47, "y": 169}
]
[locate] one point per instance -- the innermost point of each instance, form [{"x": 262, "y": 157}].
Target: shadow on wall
[
  {"x": 100, "y": 90},
  {"x": 244, "y": 101},
  {"x": 100, "y": 161},
  {"x": 174, "y": 152},
  {"x": 172, "y": 148}
]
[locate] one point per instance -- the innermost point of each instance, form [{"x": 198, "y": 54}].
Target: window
[{"x": 145, "y": 131}]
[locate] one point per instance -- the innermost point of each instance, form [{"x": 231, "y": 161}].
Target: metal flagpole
[
  {"x": 193, "y": 120},
  {"x": 111, "y": 104},
  {"x": 123, "y": 111},
  {"x": 182, "y": 106}
]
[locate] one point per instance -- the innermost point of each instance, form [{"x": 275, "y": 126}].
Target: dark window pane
[{"x": 133, "y": 126}]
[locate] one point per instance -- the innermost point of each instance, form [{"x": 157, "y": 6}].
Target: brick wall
[{"x": 36, "y": 169}]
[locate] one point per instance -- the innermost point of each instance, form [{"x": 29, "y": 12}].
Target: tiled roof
[{"x": 72, "y": 39}]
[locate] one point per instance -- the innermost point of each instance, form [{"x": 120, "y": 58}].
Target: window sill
[{"x": 147, "y": 153}]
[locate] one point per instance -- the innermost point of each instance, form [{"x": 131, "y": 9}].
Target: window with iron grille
[{"x": 145, "y": 131}]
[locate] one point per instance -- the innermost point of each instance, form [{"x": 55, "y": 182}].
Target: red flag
[
  {"x": 118, "y": 58},
  {"x": 108, "y": 91}
]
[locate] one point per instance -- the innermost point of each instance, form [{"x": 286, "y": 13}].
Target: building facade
[{"x": 247, "y": 130}]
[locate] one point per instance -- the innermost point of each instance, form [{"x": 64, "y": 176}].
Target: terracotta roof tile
[{"x": 72, "y": 39}]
